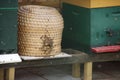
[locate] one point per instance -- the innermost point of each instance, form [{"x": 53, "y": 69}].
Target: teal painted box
[
  {"x": 90, "y": 27},
  {"x": 8, "y": 26},
  {"x": 8, "y": 3}
]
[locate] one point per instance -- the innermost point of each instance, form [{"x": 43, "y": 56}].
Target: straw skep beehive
[{"x": 39, "y": 31}]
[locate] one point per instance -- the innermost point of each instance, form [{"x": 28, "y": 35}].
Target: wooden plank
[
  {"x": 82, "y": 3},
  {"x": 10, "y": 74},
  {"x": 88, "y": 71},
  {"x": 76, "y": 70},
  {"x": 53, "y": 3},
  {"x": 93, "y": 3},
  {"x": 104, "y": 3},
  {"x": 1, "y": 74},
  {"x": 77, "y": 57}
]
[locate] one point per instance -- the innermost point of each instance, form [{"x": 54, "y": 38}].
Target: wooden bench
[{"x": 77, "y": 58}]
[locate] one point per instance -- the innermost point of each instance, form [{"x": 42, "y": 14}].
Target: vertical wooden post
[
  {"x": 88, "y": 71},
  {"x": 60, "y": 1},
  {"x": 1, "y": 74},
  {"x": 76, "y": 70},
  {"x": 10, "y": 74}
]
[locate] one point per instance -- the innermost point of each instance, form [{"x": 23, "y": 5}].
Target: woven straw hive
[{"x": 39, "y": 31}]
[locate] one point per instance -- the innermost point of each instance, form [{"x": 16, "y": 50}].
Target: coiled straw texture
[{"x": 39, "y": 31}]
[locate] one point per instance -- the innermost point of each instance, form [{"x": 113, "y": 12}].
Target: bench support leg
[
  {"x": 88, "y": 71},
  {"x": 10, "y": 74},
  {"x": 1, "y": 74},
  {"x": 76, "y": 70}
]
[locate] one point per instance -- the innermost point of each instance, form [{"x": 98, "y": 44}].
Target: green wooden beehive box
[
  {"x": 90, "y": 27},
  {"x": 8, "y": 25}
]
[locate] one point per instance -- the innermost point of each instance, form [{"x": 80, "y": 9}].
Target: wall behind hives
[{"x": 53, "y": 3}]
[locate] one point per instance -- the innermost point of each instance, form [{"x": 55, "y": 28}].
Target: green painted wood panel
[
  {"x": 8, "y": 29},
  {"x": 76, "y": 33},
  {"x": 86, "y": 28},
  {"x": 8, "y": 26},
  {"x": 8, "y": 3},
  {"x": 105, "y": 26}
]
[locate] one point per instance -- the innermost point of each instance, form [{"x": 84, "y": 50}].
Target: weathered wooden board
[
  {"x": 94, "y": 3},
  {"x": 76, "y": 70},
  {"x": 10, "y": 74},
  {"x": 77, "y": 57},
  {"x": 53, "y": 3},
  {"x": 88, "y": 71},
  {"x": 1, "y": 74}
]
